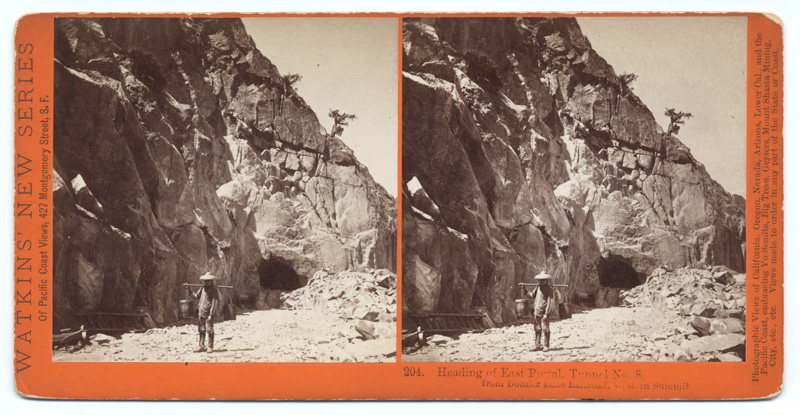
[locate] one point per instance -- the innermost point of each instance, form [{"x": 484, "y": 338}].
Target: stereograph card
[{"x": 407, "y": 206}]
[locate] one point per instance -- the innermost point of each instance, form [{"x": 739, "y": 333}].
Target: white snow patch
[
  {"x": 510, "y": 104},
  {"x": 414, "y": 185},
  {"x": 458, "y": 234},
  {"x": 421, "y": 213}
]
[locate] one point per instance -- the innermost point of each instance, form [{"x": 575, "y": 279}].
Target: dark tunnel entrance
[
  {"x": 277, "y": 273},
  {"x": 616, "y": 272}
]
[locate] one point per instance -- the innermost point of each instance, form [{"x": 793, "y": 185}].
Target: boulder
[
  {"x": 438, "y": 340},
  {"x": 724, "y": 278},
  {"x": 371, "y": 330},
  {"x": 366, "y": 329},
  {"x": 721, "y": 343},
  {"x": 702, "y": 310},
  {"x": 387, "y": 280},
  {"x": 702, "y": 325},
  {"x": 727, "y": 325},
  {"x": 728, "y": 357},
  {"x": 102, "y": 339}
]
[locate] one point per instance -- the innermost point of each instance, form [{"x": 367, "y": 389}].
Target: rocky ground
[
  {"x": 343, "y": 317},
  {"x": 256, "y": 336},
  {"x": 683, "y": 315}
]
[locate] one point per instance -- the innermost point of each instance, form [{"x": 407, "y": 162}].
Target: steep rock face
[
  {"x": 524, "y": 152},
  {"x": 180, "y": 149}
]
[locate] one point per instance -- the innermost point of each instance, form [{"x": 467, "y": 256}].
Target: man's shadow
[
  {"x": 233, "y": 350},
  {"x": 556, "y": 349}
]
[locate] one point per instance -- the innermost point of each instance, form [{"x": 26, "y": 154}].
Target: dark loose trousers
[
  {"x": 205, "y": 325},
  {"x": 541, "y": 323}
]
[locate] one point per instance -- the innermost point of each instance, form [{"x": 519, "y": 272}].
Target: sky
[
  {"x": 692, "y": 64},
  {"x": 348, "y": 64}
]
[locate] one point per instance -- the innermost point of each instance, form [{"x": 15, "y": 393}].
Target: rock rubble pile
[
  {"x": 369, "y": 299},
  {"x": 714, "y": 292},
  {"x": 713, "y": 299}
]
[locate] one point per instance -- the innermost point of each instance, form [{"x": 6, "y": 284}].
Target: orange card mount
[{"x": 398, "y": 206}]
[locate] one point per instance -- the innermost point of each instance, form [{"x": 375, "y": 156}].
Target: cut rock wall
[
  {"x": 524, "y": 152},
  {"x": 180, "y": 149}
]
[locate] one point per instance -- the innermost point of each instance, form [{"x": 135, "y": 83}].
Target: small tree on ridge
[
  {"x": 676, "y": 119},
  {"x": 289, "y": 80},
  {"x": 626, "y": 79},
  {"x": 340, "y": 120}
]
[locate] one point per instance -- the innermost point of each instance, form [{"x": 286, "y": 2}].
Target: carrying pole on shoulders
[{"x": 533, "y": 284}]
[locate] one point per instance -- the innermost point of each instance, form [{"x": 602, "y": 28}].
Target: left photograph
[{"x": 225, "y": 189}]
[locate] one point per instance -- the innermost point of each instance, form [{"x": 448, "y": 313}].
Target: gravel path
[
  {"x": 256, "y": 336},
  {"x": 594, "y": 335}
]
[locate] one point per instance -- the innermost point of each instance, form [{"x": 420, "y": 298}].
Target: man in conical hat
[
  {"x": 542, "y": 305},
  {"x": 209, "y": 302}
]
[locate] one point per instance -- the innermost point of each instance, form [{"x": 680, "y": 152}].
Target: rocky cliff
[
  {"x": 181, "y": 149},
  {"x": 523, "y": 151}
]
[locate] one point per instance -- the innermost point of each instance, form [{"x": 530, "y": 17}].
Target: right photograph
[{"x": 573, "y": 189}]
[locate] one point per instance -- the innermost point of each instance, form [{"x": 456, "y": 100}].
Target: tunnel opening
[
  {"x": 277, "y": 273},
  {"x": 616, "y": 272}
]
